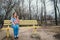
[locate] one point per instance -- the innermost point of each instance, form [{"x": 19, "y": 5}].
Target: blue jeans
[{"x": 15, "y": 29}]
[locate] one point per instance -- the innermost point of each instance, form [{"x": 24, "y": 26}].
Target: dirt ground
[{"x": 26, "y": 33}]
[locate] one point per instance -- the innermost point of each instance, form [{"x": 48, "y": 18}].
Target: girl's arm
[
  {"x": 18, "y": 19},
  {"x": 12, "y": 21}
]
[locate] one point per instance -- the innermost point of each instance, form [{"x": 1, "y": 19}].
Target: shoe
[{"x": 17, "y": 37}]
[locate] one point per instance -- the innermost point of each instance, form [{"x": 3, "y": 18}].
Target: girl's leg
[
  {"x": 14, "y": 29},
  {"x": 17, "y": 30}
]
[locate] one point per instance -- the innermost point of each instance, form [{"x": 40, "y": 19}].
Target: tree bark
[
  {"x": 55, "y": 5},
  {"x": 30, "y": 8}
]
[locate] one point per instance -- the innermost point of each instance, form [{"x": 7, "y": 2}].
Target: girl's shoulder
[{"x": 12, "y": 18}]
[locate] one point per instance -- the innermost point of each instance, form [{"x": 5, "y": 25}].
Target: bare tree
[
  {"x": 30, "y": 8},
  {"x": 37, "y": 8},
  {"x": 9, "y": 5},
  {"x": 44, "y": 12},
  {"x": 41, "y": 15},
  {"x": 58, "y": 12},
  {"x": 55, "y": 8},
  {"x": 22, "y": 9}
]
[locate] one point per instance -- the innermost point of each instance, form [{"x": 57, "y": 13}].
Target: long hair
[{"x": 13, "y": 15}]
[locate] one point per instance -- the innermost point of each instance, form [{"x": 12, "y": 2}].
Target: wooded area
[
  {"x": 38, "y": 20},
  {"x": 42, "y": 10}
]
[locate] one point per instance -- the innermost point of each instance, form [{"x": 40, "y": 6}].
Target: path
[{"x": 25, "y": 34}]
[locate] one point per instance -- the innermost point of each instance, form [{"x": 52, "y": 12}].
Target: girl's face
[{"x": 15, "y": 14}]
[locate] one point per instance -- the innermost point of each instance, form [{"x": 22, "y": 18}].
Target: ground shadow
[{"x": 57, "y": 36}]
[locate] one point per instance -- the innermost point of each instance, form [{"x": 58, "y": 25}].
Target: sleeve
[{"x": 12, "y": 20}]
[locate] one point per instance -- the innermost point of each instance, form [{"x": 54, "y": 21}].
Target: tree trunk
[
  {"x": 55, "y": 5},
  {"x": 37, "y": 8},
  {"x": 30, "y": 8},
  {"x": 8, "y": 10},
  {"x": 45, "y": 12},
  {"x": 41, "y": 15}
]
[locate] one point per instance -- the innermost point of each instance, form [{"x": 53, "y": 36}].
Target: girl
[{"x": 15, "y": 24}]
